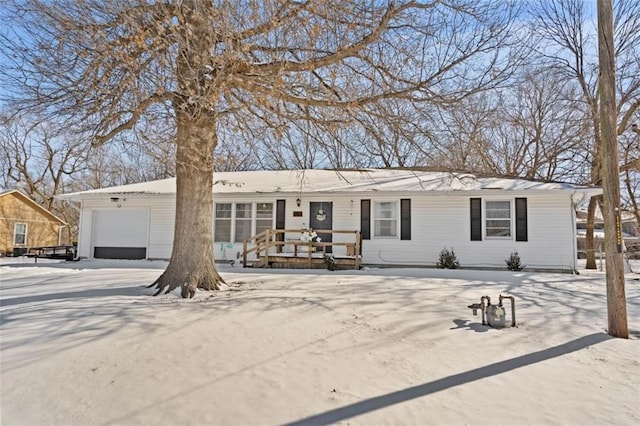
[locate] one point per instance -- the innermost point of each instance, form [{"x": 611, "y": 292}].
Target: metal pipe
[
  {"x": 483, "y": 308},
  {"x": 513, "y": 308}
]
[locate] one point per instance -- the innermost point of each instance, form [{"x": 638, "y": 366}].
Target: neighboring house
[
  {"x": 24, "y": 223},
  {"x": 628, "y": 223},
  {"x": 406, "y": 217},
  {"x": 628, "y": 226}
]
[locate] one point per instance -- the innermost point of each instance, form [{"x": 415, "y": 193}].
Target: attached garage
[{"x": 120, "y": 233}]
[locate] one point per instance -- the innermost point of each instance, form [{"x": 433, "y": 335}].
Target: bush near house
[{"x": 447, "y": 259}]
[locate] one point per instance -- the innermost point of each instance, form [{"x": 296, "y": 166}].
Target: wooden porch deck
[
  {"x": 302, "y": 261},
  {"x": 272, "y": 250}
]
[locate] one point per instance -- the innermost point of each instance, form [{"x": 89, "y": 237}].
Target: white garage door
[{"x": 120, "y": 233}]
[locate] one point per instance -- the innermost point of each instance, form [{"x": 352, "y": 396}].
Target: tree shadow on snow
[
  {"x": 382, "y": 401},
  {"x": 88, "y": 264},
  {"x": 82, "y": 294}
]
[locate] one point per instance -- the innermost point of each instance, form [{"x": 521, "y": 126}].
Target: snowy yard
[{"x": 84, "y": 344}]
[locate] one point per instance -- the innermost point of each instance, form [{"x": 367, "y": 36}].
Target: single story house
[
  {"x": 25, "y": 223},
  {"x": 405, "y": 217}
]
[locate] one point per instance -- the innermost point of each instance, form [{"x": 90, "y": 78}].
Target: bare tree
[
  {"x": 569, "y": 47},
  {"x": 40, "y": 161},
  {"x": 530, "y": 128},
  {"x": 463, "y": 140},
  {"x": 214, "y": 65},
  {"x": 539, "y": 131}
]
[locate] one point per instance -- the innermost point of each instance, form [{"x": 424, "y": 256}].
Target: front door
[{"x": 321, "y": 217}]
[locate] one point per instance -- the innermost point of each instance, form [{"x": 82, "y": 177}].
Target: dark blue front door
[{"x": 321, "y": 218}]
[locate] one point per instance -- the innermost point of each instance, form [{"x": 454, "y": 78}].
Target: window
[
  {"x": 264, "y": 217},
  {"x": 235, "y": 222},
  {"x": 498, "y": 219},
  {"x": 222, "y": 222},
  {"x": 20, "y": 234},
  {"x": 385, "y": 222},
  {"x": 243, "y": 221}
]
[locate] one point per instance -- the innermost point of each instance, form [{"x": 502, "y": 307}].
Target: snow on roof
[{"x": 339, "y": 181}]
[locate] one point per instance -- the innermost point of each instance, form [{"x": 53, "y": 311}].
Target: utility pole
[{"x": 616, "y": 299}]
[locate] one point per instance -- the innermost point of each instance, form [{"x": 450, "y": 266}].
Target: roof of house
[
  {"x": 341, "y": 181},
  {"x": 27, "y": 200}
]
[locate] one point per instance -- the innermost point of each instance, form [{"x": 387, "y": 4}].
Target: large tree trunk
[{"x": 192, "y": 265}]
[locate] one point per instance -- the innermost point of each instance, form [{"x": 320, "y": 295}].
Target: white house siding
[
  {"x": 552, "y": 233},
  {"x": 161, "y": 226},
  {"x": 437, "y": 221},
  {"x": 84, "y": 235},
  {"x": 444, "y": 221}
]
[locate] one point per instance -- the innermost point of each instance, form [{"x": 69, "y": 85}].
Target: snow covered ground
[{"x": 84, "y": 344}]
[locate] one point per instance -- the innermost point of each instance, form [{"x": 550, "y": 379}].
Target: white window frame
[
  {"x": 395, "y": 221},
  {"x": 259, "y": 219},
  {"x": 245, "y": 220},
  {"x": 234, "y": 219},
  {"x": 510, "y": 219},
  {"x": 216, "y": 218},
  {"x": 16, "y": 233}
]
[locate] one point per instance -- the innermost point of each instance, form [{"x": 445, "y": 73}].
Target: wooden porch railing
[{"x": 263, "y": 242}]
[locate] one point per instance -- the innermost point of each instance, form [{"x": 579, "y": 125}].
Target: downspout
[
  {"x": 574, "y": 206},
  {"x": 80, "y": 210}
]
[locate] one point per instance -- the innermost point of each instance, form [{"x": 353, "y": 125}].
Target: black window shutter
[
  {"x": 280, "y": 214},
  {"x": 405, "y": 219},
  {"x": 476, "y": 219},
  {"x": 365, "y": 219},
  {"x": 521, "y": 219},
  {"x": 280, "y": 221}
]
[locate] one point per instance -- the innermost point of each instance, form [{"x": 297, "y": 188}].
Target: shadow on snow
[{"x": 382, "y": 401}]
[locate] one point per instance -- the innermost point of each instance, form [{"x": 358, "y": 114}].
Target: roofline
[
  {"x": 28, "y": 199},
  {"x": 78, "y": 197},
  {"x": 477, "y": 174}
]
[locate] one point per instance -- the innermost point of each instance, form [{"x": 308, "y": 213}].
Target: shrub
[
  {"x": 330, "y": 262},
  {"x": 447, "y": 259},
  {"x": 513, "y": 262}
]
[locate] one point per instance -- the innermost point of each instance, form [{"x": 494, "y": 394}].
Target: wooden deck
[
  {"x": 272, "y": 250},
  {"x": 302, "y": 261}
]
